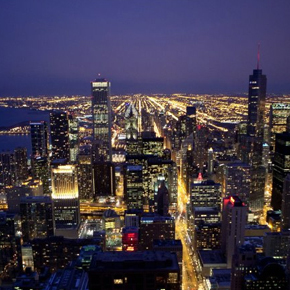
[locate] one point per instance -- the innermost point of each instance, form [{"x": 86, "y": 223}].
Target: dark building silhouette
[
  {"x": 39, "y": 139},
  {"x": 135, "y": 270},
  {"x": 281, "y": 167},
  {"x": 21, "y": 168},
  {"x": 36, "y": 217},
  {"x": 7, "y": 169},
  {"x": 162, "y": 199},
  {"x": 59, "y": 135},
  {"x": 103, "y": 179}
]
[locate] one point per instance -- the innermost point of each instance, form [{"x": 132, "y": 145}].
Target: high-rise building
[
  {"x": 101, "y": 111},
  {"x": 103, "y": 179},
  {"x": 154, "y": 227},
  {"x": 236, "y": 180},
  {"x": 65, "y": 198},
  {"x": 285, "y": 223},
  {"x": 162, "y": 199},
  {"x": 200, "y": 146},
  {"x": 36, "y": 217},
  {"x": 73, "y": 137},
  {"x": 234, "y": 217},
  {"x": 133, "y": 186},
  {"x": 253, "y": 142},
  {"x": 131, "y": 126},
  {"x": 256, "y": 103},
  {"x": 7, "y": 169},
  {"x": 281, "y": 167},
  {"x": 21, "y": 168},
  {"x": 85, "y": 173},
  {"x": 39, "y": 139},
  {"x": 206, "y": 194},
  {"x": 40, "y": 170},
  {"x": 59, "y": 135},
  {"x": 279, "y": 112}
]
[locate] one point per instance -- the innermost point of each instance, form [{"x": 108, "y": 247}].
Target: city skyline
[{"x": 53, "y": 48}]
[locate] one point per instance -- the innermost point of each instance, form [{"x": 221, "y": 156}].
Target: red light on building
[{"x": 232, "y": 200}]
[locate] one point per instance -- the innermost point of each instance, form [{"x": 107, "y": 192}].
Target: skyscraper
[
  {"x": 234, "y": 218},
  {"x": 256, "y": 103},
  {"x": 39, "y": 139},
  {"x": 36, "y": 217},
  {"x": 7, "y": 169},
  {"x": 133, "y": 186},
  {"x": 101, "y": 111},
  {"x": 281, "y": 167},
  {"x": 285, "y": 223},
  {"x": 65, "y": 198},
  {"x": 131, "y": 126},
  {"x": 253, "y": 141},
  {"x": 59, "y": 135},
  {"x": 21, "y": 168},
  {"x": 73, "y": 137}
]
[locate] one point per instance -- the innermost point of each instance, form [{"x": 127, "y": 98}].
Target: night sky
[{"x": 155, "y": 46}]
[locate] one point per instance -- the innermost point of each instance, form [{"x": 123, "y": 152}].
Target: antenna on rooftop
[{"x": 258, "y": 57}]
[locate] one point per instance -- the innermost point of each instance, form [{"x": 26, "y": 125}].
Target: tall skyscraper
[
  {"x": 133, "y": 187},
  {"x": 59, "y": 134},
  {"x": 85, "y": 173},
  {"x": 279, "y": 112},
  {"x": 39, "y": 139},
  {"x": 234, "y": 217},
  {"x": 73, "y": 137},
  {"x": 285, "y": 223},
  {"x": 7, "y": 169},
  {"x": 252, "y": 143},
  {"x": 103, "y": 179},
  {"x": 65, "y": 198},
  {"x": 101, "y": 111},
  {"x": 131, "y": 126},
  {"x": 236, "y": 180},
  {"x": 21, "y": 168},
  {"x": 256, "y": 103},
  {"x": 281, "y": 167}
]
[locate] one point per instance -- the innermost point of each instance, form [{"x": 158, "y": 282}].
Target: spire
[{"x": 258, "y": 57}]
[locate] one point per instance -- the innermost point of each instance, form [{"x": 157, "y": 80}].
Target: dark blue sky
[{"x": 153, "y": 46}]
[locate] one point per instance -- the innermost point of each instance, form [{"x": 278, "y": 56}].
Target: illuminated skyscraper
[
  {"x": 59, "y": 135},
  {"x": 101, "y": 111},
  {"x": 131, "y": 126},
  {"x": 85, "y": 173},
  {"x": 73, "y": 137},
  {"x": 65, "y": 197},
  {"x": 133, "y": 187}
]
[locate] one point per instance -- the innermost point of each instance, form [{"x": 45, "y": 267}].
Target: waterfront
[{"x": 11, "y": 117}]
